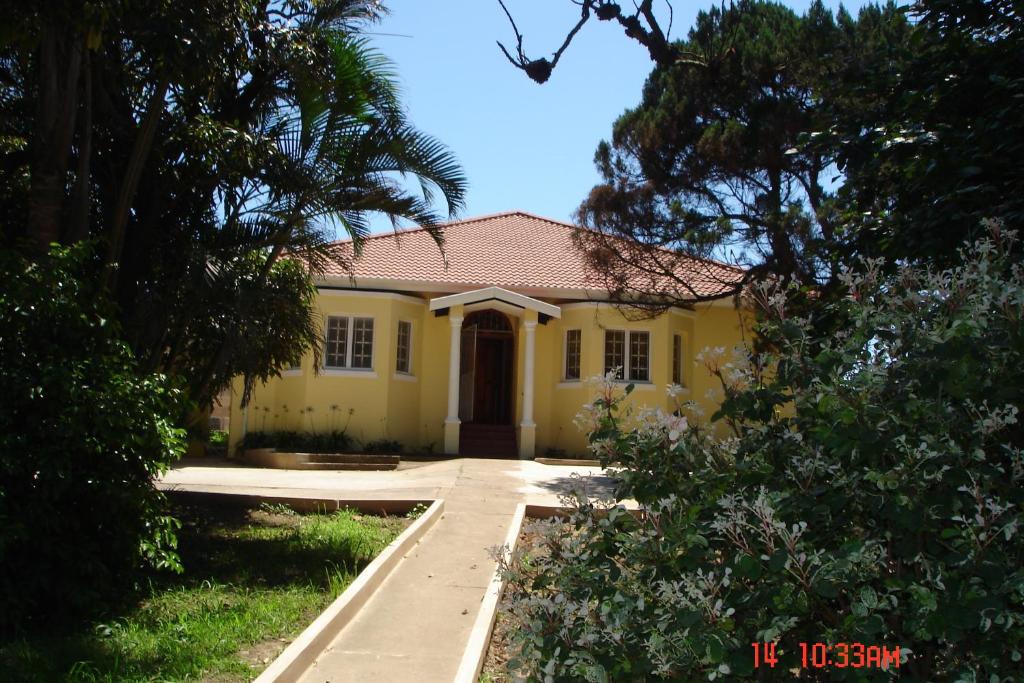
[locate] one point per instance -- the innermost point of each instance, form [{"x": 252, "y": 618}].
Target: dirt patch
[
  {"x": 496, "y": 662},
  {"x": 260, "y": 655},
  {"x": 273, "y": 518}
]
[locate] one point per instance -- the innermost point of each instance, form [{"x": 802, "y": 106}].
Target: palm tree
[
  {"x": 340, "y": 154},
  {"x": 342, "y": 151}
]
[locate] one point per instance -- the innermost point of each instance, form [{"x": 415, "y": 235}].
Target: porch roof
[{"x": 495, "y": 296}]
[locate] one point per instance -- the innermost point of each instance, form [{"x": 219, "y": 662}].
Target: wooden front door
[
  {"x": 488, "y": 399},
  {"x": 492, "y": 395}
]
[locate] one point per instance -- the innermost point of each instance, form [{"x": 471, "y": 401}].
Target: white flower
[
  {"x": 588, "y": 418},
  {"x": 676, "y": 425}
]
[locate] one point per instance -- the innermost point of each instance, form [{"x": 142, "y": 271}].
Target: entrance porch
[{"x": 482, "y": 373}]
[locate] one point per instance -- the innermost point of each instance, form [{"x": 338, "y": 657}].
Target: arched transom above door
[{"x": 489, "y": 321}]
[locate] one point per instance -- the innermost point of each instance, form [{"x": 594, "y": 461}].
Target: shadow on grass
[
  {"x": 250, "y": 576},
  {"x": 278, "y": 550}
]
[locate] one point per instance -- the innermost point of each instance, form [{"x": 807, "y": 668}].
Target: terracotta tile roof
[{"x": 515, "y": 250}]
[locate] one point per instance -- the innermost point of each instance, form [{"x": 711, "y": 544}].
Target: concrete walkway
[{"x": 415, "y": 627}]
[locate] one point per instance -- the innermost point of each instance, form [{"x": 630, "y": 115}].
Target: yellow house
[{"x": 483, "y": 350}]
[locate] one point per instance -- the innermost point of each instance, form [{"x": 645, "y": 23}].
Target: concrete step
[{"x": 488, "y": 440}]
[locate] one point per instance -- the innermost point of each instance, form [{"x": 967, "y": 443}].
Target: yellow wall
[
  {"x": 433, "y": 379},
  {"x": 411, "y": 409},
  {"x": 593, "y": 320}
]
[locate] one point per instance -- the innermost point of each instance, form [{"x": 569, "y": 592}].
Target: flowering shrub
[{"x": 871, "y": 493}]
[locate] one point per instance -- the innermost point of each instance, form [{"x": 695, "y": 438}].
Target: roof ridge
[{"x": 451, "y": 223}]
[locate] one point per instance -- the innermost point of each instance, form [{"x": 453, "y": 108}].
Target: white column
[
  {"x": 527, "y": 427},
  {"x": 531, "y": 333},
  {"x": 451, "y": 423}
]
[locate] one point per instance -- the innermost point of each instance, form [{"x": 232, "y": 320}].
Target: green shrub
[
  {"x": 382, "y": 447},
  {"x": 82, "y": 435},
  {"x": 871, "y": 493},
  {"x": 300, "y": 442}
]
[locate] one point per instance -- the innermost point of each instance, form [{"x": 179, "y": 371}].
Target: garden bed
[
  {"x": 495, "y": 668},
  {"x": 254, "y": 579}
]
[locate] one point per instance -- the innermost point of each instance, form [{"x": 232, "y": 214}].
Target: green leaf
[{"x": 747, "y": 567}]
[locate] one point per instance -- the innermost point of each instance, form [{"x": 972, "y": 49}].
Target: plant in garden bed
[
  {"x": 300, "y": 442},
  {"x": 315, "y": 442},
  {"x": 217, "y": 443},
  {"x": 870, "y": 493},
  {"x": 253, "y": 580},
  {"x": 382, "y": 447}
]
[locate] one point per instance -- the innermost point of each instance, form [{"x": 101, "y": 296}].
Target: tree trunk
[
  {"x": 59, "y": 67},
  {"x": 81, "y": 200}
]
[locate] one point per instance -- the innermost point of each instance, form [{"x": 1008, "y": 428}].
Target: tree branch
[
  {"x": 653, "y": 38},
  {"x": 132, "y": 175},
  {"x": 540, "y": 69}
]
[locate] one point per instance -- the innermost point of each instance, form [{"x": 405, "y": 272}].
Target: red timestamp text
[{"x": 832, "y": 655}]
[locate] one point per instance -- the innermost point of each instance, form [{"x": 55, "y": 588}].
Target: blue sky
[{"x": 522, "y": 145}]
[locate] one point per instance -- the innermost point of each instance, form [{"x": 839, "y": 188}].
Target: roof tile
[{"x": 513, "y": 250}]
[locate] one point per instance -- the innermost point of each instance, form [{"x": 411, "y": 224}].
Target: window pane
[
  {"x": 572, "y": 354},
  {"x": 362, "y": 343},
  {"x": 638, "y": 356},
  {"x": 404, "y": 336},
  {"x": 337, "y": 342},
  {"x": 677, "y": 359},
  {"x": 614, "y": 350}
]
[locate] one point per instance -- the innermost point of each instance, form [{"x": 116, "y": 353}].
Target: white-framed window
[
  {"x": 403, "y": 346},
  {"x": 630, "y": 351},
  {"x": 677, "y": 359},
  {"x": 573, "y": 354},
  {"x": 349, "y": 343}
]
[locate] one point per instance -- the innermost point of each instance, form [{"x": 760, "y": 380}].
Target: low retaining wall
[
  {"x": 284, "y": 460},
  {"x": 367, "y": 506}
]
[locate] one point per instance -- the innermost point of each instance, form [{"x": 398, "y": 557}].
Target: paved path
[{"x": 415, "y": 627}]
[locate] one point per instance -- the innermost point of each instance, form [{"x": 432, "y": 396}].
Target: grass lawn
[{"x": 253, "y": 580}]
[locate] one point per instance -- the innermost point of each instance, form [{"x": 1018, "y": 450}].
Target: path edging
[
  {"x": 370, "y": 506},
  {"x": 570, "y": 462},
  {"x": 303, "y": 651},
  {"x": 480, "y": 637}
]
